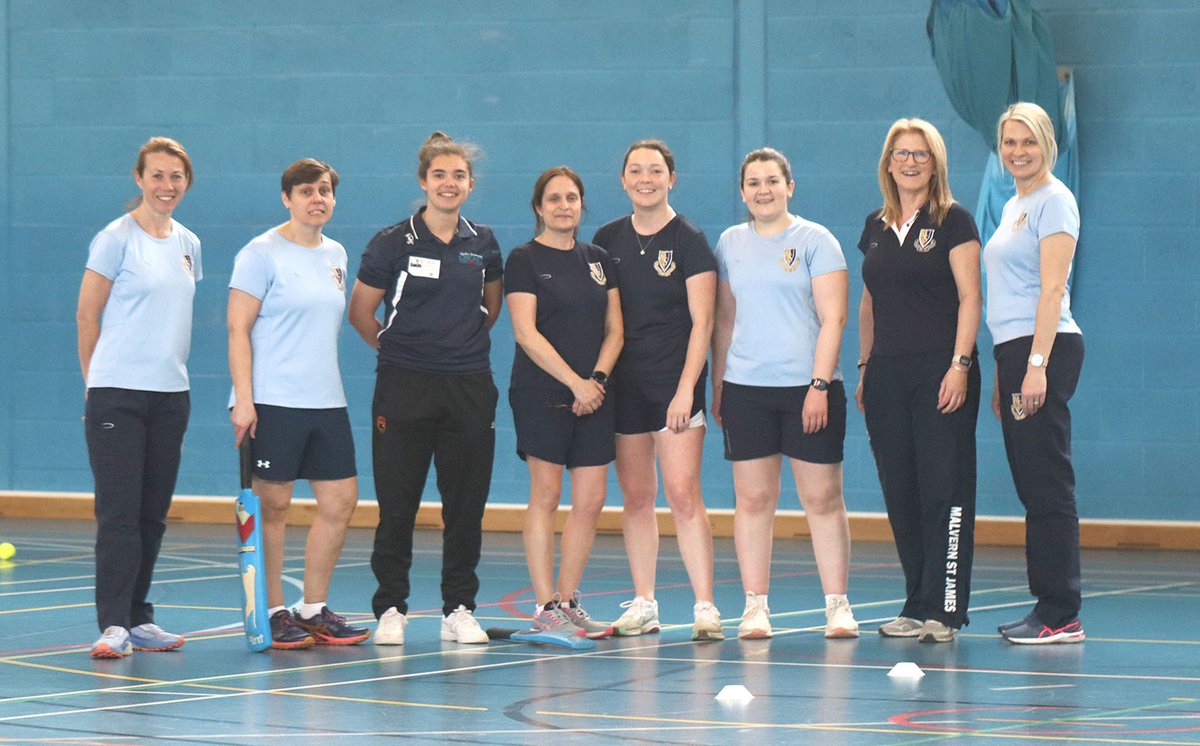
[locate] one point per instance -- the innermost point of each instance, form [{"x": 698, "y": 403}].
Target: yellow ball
[{"x": 7, "y": 550}]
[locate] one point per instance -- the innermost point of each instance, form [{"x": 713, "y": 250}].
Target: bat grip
[{"x": 247, "y": 461}]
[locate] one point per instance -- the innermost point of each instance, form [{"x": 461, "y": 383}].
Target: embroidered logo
[
  {"x": 790, "y": 260},
  {"x": 470, "y": 259},
  {"x": 188, "y": 266},
  {"x": 409, "y": 238},
  {"x": 597, "y": 272},
  {"x": 1020, "y": 222},
  {"x": 665, "y": 264},
  {"x": 263, "y": 464},
  {"x": 339, "y": 277},
  {"x": 925, "y": 240}
]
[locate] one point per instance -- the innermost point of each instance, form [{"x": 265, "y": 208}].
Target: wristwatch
[
  {"x": 600, "y": 377},
  {"x": 820, "y": 384},
  {"x": 963, "y": 360},
  {"x": 1037, "y": 360}
]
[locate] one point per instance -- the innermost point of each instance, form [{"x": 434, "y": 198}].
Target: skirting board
[{"x": 989, "y": 530}]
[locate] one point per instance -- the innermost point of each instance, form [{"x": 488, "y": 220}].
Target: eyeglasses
[{"x": 920, "y": 156}]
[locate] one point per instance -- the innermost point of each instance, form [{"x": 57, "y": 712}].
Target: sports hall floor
[{"x": 1135, "y": 680}]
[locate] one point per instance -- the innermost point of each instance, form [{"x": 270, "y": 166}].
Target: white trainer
[
  {"x": 707, "y": 622},
  {"x": 460, "y": 626},
  {"x": 391, "y": 628},
  {"x": 640, "y": 617},
  {"x": 756, "y": 619},
  {"x": 839, "y": 619}
]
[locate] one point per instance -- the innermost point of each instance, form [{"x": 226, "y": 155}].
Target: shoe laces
[{"x": 640, "y": 604}]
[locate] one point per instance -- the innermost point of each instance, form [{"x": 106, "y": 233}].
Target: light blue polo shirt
[
  {"x": 776, "y": 325},
  {"x": 1012, "y": 258},
  {"x": 295, "y": 337},
  {"x": 146, "y": 325}
]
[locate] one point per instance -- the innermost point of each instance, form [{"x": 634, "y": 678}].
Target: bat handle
[{"x": 247, "y": 461}]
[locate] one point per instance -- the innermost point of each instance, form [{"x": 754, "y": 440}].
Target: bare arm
[
  {"x": 493, "y": 298},
  {"x": 1057, "y": 250},
  {"x": 964, "y": 264},
  {"x": 240, "y": 316},
  {"x": 724, "y": 314},
  {"x": 364, "y": 301},
  {"x": 831, "y": 296},
  {"x": 866, "y": 342},
  {"x": 522, "y": 309},
  {"x": 702, "y": 297},
  {"x": 93, "y": 297}
]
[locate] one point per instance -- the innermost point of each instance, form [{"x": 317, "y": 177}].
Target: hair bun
[{"x": 438, "y": 136}]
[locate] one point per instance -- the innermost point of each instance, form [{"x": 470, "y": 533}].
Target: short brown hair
[{"x": 307, "y": 171}]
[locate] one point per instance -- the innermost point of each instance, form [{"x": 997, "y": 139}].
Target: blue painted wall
[{"x": 250, "y": 91}]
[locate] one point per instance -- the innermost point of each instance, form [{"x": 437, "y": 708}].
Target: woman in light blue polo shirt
[
  {"x": 135, "y": 331},
  {"x": 1039, "y": 355},
  {"x": 782, "y": 295}
]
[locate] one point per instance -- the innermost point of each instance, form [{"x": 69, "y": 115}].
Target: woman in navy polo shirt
[
  {"x": 919, "y": 384},
  {"x": 438, "y": 277},
  {"x": 287, "y": 299},
  {"x": 668, "y": 282},
  {"x": 566, "y": 314},
  {"x": 1039, "y": 355},
  {"x": 135, "y": 331}
]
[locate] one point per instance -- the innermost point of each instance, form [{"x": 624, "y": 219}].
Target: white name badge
[{"x": 422, "y": 267}]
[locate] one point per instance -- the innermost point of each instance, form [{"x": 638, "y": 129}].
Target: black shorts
[
  {"x": 291, "y": 444},
  {"x": 761, "y": 421},
  {"x": 548, "y": 430},
  {"x": 641, "y": 404}
]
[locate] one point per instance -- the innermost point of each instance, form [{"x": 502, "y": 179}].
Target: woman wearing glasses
[{"x": 919, "y": 384}]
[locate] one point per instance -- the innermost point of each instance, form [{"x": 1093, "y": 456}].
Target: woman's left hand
[
  {"x": 953, "y": 391},
  {"x": 679, "y": 412},
  {"x": 816, "y": 411},
  {"x": 1033, "y": 390}
]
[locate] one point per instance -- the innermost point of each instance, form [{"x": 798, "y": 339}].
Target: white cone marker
[
  {"x": 734, "y": 693},
  {"x": 906, "y": 670}
]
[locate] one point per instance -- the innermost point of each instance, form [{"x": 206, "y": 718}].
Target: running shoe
[
  {"x": 640, "y": 617},
  {"x": 935, "y": 631},
  {"x": 1035, "y": 633},
  {"x": 286, "y": 634},
  {"x": 756, "y": 619},
  {"x": 579, "y": 617},
  {"x": 460, "y": 626},
  {"x": 901, "y": 626},
  {"x": 552, "y": 618},
  {"x": 706, "y": 624},
  {"x": 328, "y": 628},
  {"x": 154, "y": 639},
  {"x": 1027, "y": 619},
  {"x": 390, "y": 630},
  {"x": 839, "y": 620},
  {"x": 113, "y": 643}
]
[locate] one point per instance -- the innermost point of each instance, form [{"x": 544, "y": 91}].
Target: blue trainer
[
  {"x": 1033, "y": 632},
  {"x": 153, "y": 638}
]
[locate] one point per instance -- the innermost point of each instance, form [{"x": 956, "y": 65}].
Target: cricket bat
[
  {"x": 250, "y": 559},
  {"x": 571, "y": 640}
]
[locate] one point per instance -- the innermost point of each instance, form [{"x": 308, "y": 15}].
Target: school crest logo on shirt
[
  {"x": 1020, "y": 222},
  {"x": 188, "y": 266},
  {"x": 339, "y": 277},
  {"x": 665, "y": 264},
  {"x": 597, "y": 272},
  {"x": 790, "y": 260},
  {"x": 925, "y": 240}
]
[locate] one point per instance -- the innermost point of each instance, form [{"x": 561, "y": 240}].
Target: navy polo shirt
[
  {"x": 572, "y": 306},
  {"x": 654, "y": 299},
  {"x": 434, "y": 319},
  {"x": 913, "y": 292}
]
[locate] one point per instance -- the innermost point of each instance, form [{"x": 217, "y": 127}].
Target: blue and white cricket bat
[
  {"x": 571, "y": 640},
  {"x": 250, "y": 559}
]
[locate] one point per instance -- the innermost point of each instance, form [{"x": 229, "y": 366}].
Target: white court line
[{"x": 1023, "y": 688}]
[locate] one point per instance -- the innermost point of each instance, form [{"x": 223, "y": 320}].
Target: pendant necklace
[{"x": 638, "y": 237}]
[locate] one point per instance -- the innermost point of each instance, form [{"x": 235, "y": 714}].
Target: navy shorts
[
  {"x": 548, "y": 430},
  {"x": 761, "y": 421},
  {"x": 641, "y": 404},
  {"x": 291, "y": 444}
]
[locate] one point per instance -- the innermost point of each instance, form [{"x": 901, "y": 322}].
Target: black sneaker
[
  {"x": 1036, "y": 633},
  {"x": 1027, "y": 619},
  {"x": 328, "y": 628},
  {"x": 286, "y": 634}
]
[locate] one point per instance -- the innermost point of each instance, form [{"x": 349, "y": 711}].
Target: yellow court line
[
  {"x": 376, "y": 701},
  {"x": 46, "y": 608},
  {"x": 61, "y": 669},
  {"x": 852, "y": 729}
]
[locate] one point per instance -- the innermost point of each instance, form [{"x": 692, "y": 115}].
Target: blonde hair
[
  {"x": 1038, "y": 121},
  {"x": 940, "y": 198}
]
